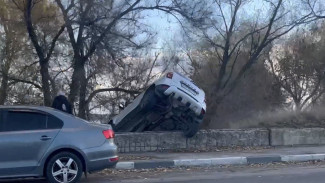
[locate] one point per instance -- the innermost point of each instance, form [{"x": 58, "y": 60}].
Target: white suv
[{"x": 173, "y": 102}]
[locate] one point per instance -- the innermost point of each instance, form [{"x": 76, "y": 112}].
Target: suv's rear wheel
[{"x": 64, "y": 167}]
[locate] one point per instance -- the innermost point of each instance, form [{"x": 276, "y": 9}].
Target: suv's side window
[{"x": 23, "y": 120}]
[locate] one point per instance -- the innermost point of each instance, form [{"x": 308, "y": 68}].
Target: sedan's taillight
[
  {"x": 109, "y": 134},
  {"x": 113, "y": 159}
]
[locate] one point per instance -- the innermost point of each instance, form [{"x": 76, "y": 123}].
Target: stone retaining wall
[
  {"x": 290, "y": 136},
  {"x": 205, "y": 139}
]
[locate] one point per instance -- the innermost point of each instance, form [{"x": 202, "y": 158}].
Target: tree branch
[
  {"x": 116, "y": 89},
  {"x": 31, "y": 30},
  {"x": 18, "y": 80},
  {"x": 56, "y": 37},
  {"x": 108, "y": 27}
]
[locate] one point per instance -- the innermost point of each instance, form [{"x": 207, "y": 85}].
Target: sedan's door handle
[{"x": 45, "y": 137}]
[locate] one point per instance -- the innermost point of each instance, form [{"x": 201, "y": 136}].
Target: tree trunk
[
  {"x": 9, "y": 53},
  {"x": 77, "y": 75},
  {"x": 87, "y": 112},
  {"x": 42, "y": 55},
  {"x": 298, "y": 106},
  {"x": 4, "y": 88},
  {"x": 5, "y": 67},
  {"x": 82, "y": 94},
  {"x": 46, "y": 83},
  {"x": 74, "y": 86}
]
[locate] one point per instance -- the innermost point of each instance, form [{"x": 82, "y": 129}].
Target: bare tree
[
  {"x": 44, "y": 44},
  {"x": 298, "y": 67},
  {"x": 94, "y": 20},
  {"x": 119, "y": 85},
  {"x": 231, "y": 37},
  {"x": 9, "y": 41},
  {"x": 93, "y": 24},
  {"x": 228, "y": 43},
  {"x": 316, "y": 7},
  {"x": 13, "y": 49}
]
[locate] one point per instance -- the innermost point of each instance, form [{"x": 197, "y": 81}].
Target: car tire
[
  {"x": 64, "y": 166},
  {"x": 149, "y": 100},
  {"x": 191, "y": 130}
]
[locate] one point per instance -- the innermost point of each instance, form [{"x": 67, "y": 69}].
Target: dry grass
[{"x": 283, "y": 118}]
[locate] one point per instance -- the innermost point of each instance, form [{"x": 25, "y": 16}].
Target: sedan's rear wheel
[{"x": 64, "y": 167}]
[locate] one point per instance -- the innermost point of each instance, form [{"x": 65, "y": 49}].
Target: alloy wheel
[{"x": 65, "y": 170}]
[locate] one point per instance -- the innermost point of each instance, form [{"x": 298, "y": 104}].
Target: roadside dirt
[
  {"x": 135, "y": 157},
  {"x": 151, "y": 173},
  {"x": 221, "y": 149},
  {"x": 120, "y": 175}
]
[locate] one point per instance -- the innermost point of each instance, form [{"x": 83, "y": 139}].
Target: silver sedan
[{"x": 44, "y": 142}]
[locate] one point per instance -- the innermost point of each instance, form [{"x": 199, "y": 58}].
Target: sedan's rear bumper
[{"x": 101, "y": 157}]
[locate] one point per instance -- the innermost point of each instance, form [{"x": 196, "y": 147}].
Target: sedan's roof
[
  {"x": 68, "y": 118},
  {"x": 42, "y": 108}
]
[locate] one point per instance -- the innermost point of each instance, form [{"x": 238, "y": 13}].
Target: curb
[{"x": 219, "y": 161}]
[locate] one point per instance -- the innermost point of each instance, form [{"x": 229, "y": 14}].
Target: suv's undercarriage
[{"x": 158, "y": 112}]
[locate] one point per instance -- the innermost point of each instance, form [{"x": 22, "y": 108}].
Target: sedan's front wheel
[{"x": 64, "y": 167}]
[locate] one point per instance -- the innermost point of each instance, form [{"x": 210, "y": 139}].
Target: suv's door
[{"x": 25, "y": 137}]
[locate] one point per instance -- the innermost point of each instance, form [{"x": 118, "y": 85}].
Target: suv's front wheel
[{"x": 64, "y": 167}]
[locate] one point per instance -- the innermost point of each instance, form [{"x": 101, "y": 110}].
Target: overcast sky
[{"x": 165, "y": 26}]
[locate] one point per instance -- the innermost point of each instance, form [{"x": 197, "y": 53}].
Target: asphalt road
[
  {"x": 310, "y": 174},
  {"x": 265, "y": 174}
]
